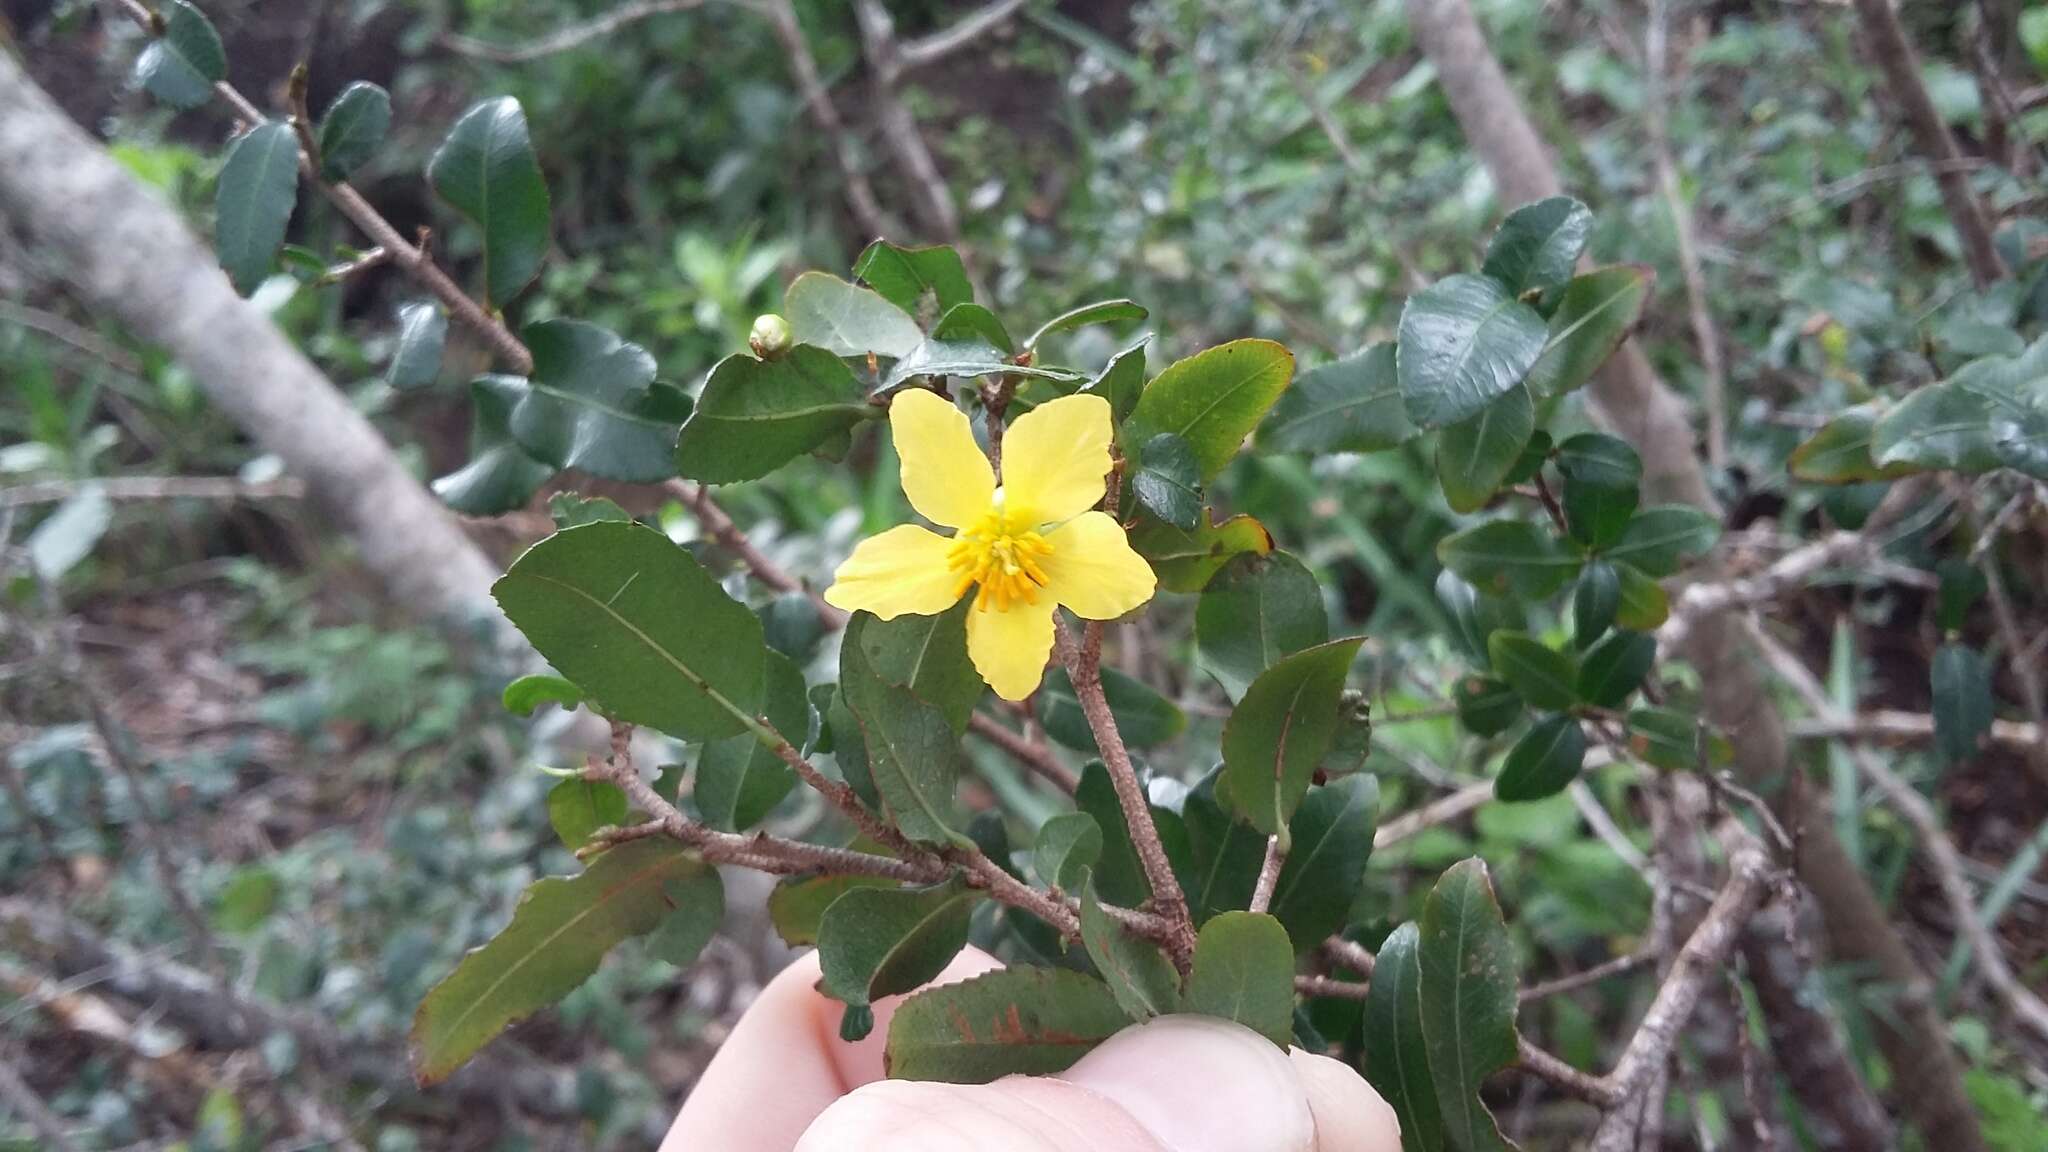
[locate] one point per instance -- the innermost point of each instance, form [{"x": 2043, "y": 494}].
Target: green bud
[{"x": 770, "y": 337}]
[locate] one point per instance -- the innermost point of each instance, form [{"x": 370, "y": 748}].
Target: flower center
[{"x": 1002, "y": 557}]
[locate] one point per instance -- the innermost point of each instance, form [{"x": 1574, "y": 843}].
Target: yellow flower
[{"x": 1030, "y": 545}]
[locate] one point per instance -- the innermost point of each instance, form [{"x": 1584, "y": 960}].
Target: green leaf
[
  {"x": 562, "y": 928},
  {"x": 845, "y": 320},
  {"x": 1840, "y": 452},
  {"x": 1542, "y": 675},
  {"x": 1256, "y": 610},
  {"x": 181, "y": 67},
  {"x": 1597, "y": 312},
  {"x": 1615, "y": 667},
  {"x": 1139, "y": 975},
  {"x": 525, "y": 694},
  {"x": 754, "y": 416},
  {"x": 1602, "y": 477},
  {"x": 2020, "y": 437},
  {"x": 698, "y": 913},
  {"x": 593, "y": 404},
  {"x": 1396, "y": 1058},
  {"x": 1669, "y": 738},
  {"x": 636, "y": 622},
  {"x": 1185, "y": 561},
  {"x": 416, "y": 361},
  {"x": 353, "y": 128},
  {"x": 740, "y": 780},
  {"x": 1213, "y": 399},
  {"x": 1168, "y": 481},
  {"x": 2016, "y": 390},
  {"x": 1013, "y": 1021},
  {"x": 876, "y": 942},
  {"x": 1474, "y": 455},
  {"x": 1644, "y": 605},
  {"x": 1962, "y": 701},
  {"x": 1468, "y": 1000},
  {"x": 970, "y": 358},
  {"x": 1487, "y": 706},
  {"x": 905, "y": 276},
  {"x": 1946, "y": 426},
  {"x": 1595, "y": 602},
  {"x": 1100, "y": 312},
  {"x": 259, "y": 186},
  {"x": 247, "y": 900},
  {"x": 973, "y": 322},
  {"x": 1121, "y": 381},
  {"x": 1069, "y": 844},
  {"x": 1544, "y": 761},
  {"x": 1658, "y": 539},
  {"x": 1348, "y": 405},
  {"x": 913, "y": 754},
  {"x": 797, "y": 905},
  {"x": 1475, "y": 617},
  {"x": 1244, "y": 971},
  {"x": 1119, "y": 875},
  {"x": 568, "y": 509},
  {"x": 1538, "y": 244},
  {"x": 578, "y": 807},
  {"x": 1465, "y": 341},
  {"x": 1282, "y": 729},
  {"x": 926, "y": 654},
  {"x": 487, "y": 171},
  {"x": 1325, "y": 867},
  {"x": 1224, "y": 854},
  {"x": 1143, "y": 716},
  {"x": 1502, "y": 556},
  {"x": 500, "y": 477}
]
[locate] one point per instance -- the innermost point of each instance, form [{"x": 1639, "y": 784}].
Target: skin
[{"x": 785, "y": 1082}]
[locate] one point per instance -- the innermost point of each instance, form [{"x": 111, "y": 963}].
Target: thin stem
[
  {"x": 1618, "y": 966},
  {"x": 1269, "y": 874}
]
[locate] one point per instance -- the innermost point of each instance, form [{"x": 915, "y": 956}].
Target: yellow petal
[
  {"x": 901, "y": 571},
  {"x": 945, "y": 473},
  {"x": 1092, "y": 569},
  {"x": 1010, "y": 646},
  {"x": 1054, "y": 459}
]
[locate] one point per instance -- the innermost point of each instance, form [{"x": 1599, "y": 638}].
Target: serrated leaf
[
  {"x": 486, "y": 169},
  {"x": 1961, "y": 681},
  {"x": 422, "y": 332},
  {"x": 181, "y": 67},
  {"x": 1244, "y": 971},
  {"x": 1538, "y": 244},
  {"x": 1475, "y": 455},
  {"x": 1213, "y": 399},
  {"x": 1256, "y": 610},
  {"x": 1487, "y": 706},
  {"x": 1502, "y": 556},
  {"x": 1168, "y": 481},
  {"x": 1325, "y": 867},
  {"x": 1185, "y": 561},
  {"x": 845, "y": 320},
  {"x": 525, "y": 694},
  {"x": 1468, "y": 991},
  {"x": 739, "y": 779},
  {"x": 1143, "y": 717},
  {"x": 1840, "y": 452},
  {"x": 593, "y": 404},
  {"x": 1540, "y": 674},
  {"x": 906, "y": 276},
  {"x": 562, "y": 928},
  {"x": 633, "y": 619},
  {"x": 876, "y": 942},
  {"x": 1100, "y": 312},
  {"x": 1396, "y": 1058},
  {"x": 500, "y": 477},
  {"x": 796, "y": 905},
  {"x": 754, "y": 416},
  {"x": 1282, "y": 729},
  {"x": 1013, "y": 1021},
  {"x": 1544, "y": 761},
  {"x": 1615, "y": 667},
  {"x": 1068, "y": 846},
  {"x": 353, "y": 128},
  {"x": 1939, "y": 426},
  {"x": 259, "y": 186},
  {"x": 1349, "y": 405},
  {"x": 1139, "y": 975},
  {"x": 1596, "y": 313},
  {"x": 1465, "y": 341},
  {"x": 578, "y": 807},
  {"x": 1659, "y": 539},
  {"x": 1595, "y": 602}
]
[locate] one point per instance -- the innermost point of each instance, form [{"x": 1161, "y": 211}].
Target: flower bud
[{"x": 770, "y": 337}]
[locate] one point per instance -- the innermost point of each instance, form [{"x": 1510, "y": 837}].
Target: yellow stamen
[{"x": 1003, "y": 558}]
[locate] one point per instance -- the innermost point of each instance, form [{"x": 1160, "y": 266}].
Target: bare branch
[
  {"x": 1836, "y": 550},
  {"x": 803, "y": 67},
  {"x": 569, "y": 36},
  {"x": 1442, "y": 810},
  {"x": 899, "y": 128},
  {"x": 1269, "y": 874},
  {"x": 1619, "y": 966},
  {"x": 154, "y": 488},
  {"x": 1890, "y": 726},
  {"x": 928, "y": 50}
]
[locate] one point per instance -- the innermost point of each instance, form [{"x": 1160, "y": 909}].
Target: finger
[
  {"x": 1349, "y": 1115},
  {"x": 1199, "y": 1084},
  {"x": 861, "y": 1062},
  {"x": 1017, "y": 1114}
]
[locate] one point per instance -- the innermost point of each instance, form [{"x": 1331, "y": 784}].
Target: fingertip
[
  {"x": 1349, "y": 1115},
  {"x": 860, "y": 1062},
  {"x": 1200, "y": 1084}
]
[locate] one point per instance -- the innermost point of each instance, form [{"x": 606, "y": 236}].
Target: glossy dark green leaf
[
  {"x": 634, "y": 620},
  {"x": 1224, "y": 854},
  {"x": 1186, "y": 561},
  {"x": 1282, "y": 729},
  {"x": 1544, "y": 761},
  {"x": 1944, "y": 426},
  {"x": 1659, "y": 539},
  {"x": 797, "y": 905},
  {"x": 926, "y": 654},
  {"x": 912, "y": 756},
  {"x": 1962, "y": 700},
  {"x": 1615, "y": 667},
  {"x": 876, "y": 942},
  {"x": 698, "y": 911},
  {"x": 1534, "y": 455},
  {"x": 792, "y": 625},
  {"x": 562, "y": 928},
  {"x": 1597, "y": 312},
  {"x": 416, "y": 360},
  {"x": 1139, "y": 975},
  {"x": 593, "y": 404},
  {"x": 1143, "y": 716},
  {"x": 1325, "y": 867},
  {"x": 1595, "y": 602},
  {"x": 1068, "y": 846},
  {"x": 1468, "y": 1001},
  {"x": 2016, "y": 390},
  {"x": 525, "y": 694},
  {"x": 1119, "y": 875},
  {"x": 1602, "y": 479},
  {"x": 846, "y": 320},
  {"x": 1121, "y": 381},
  {"x": 1840, "y": 452},
  {"x": 754, "y": 416},
  {"x": 739, "y": 779},
  {"x": 1100, "y": 312},
  {"x": 907, "y": 277},
  {"x": 1213, "y": 399},
  {"x": 1672, "y": 739},
  {"x": 1644, "y": 604},
  {"x": 577, "y": 808},
  {"x": 1244, "y": 971},
  {"x": 259, "y": 186},
  {"x": 1542, "y": 675},
  {"x": 1013, "y": 1021},
  {"x": 1396, "y": 1058},
  {"x": 1475, "y": 455},
  {"x": 1167, "y": 482},
  {"x": 849, "y": 743},
  {"x": 973, "y": 322},
  {"x": 568, "y": 509},
  {"x": 1538, "y": 244},
  {"x": 970, "y": 357},
  {"x": 500, "y": 477},
  {"x": 1465, "y": 341},
  {"x": 2020, "y": 436},
  {"x": 1487, "y": 706},
  {"x": 1474, "y": 616},
  {"x": 1503, "y": 556},
  {"x": 1348, "y": 405},
  {"x": 1256, "y": 610},
  {"x": 353, "y": 128},
  {"x": 486, "y": 169},
  {"x": 181, "y": 67}
]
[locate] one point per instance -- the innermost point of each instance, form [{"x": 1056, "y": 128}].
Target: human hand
[{"x": 785, "y": 1082}]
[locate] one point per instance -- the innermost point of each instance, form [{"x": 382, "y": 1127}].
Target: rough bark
[
  {"x": 1635, "y": 403},
  {"x": 129, "y": 254}
]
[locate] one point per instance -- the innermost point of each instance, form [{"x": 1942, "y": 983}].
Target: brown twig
[
  {"x": 803, "y": 67},
  {"x": 933, "y": 199},
  {"x": 1620, "y": 965},
  {"x": 1269, "y": 874},
  {"x": 153, "y": 488},
  {"x": 934, "y": 47},
  {"x": 568, "y": 36},
  {"x": 1442, "y": 810}
]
